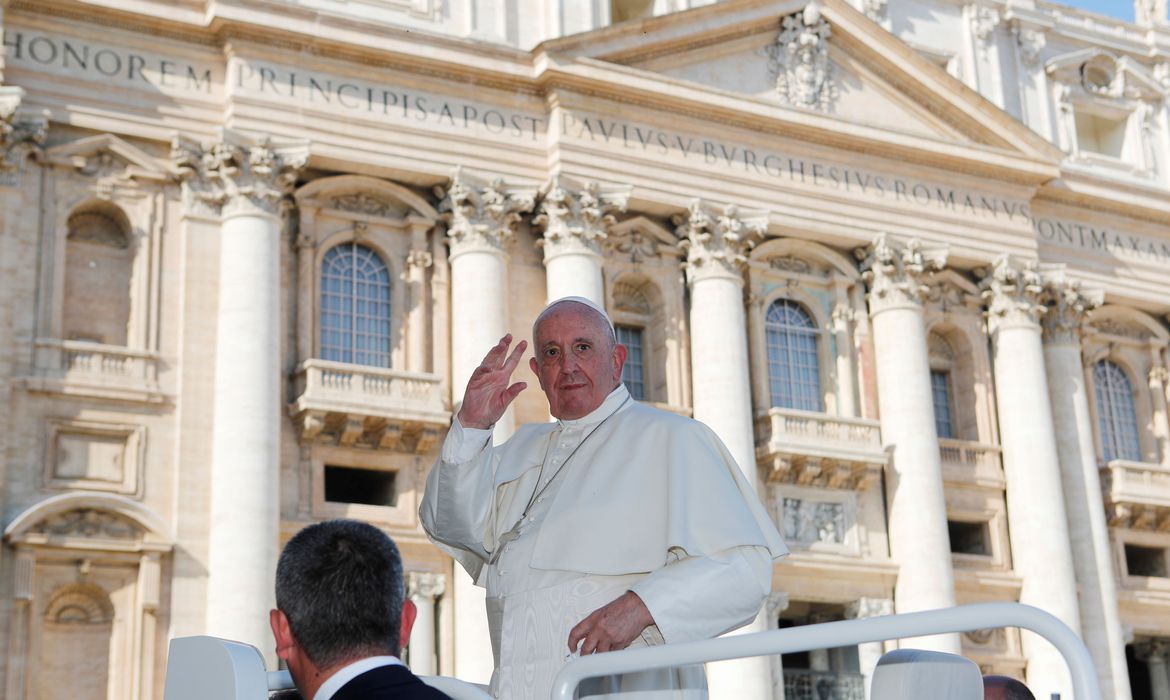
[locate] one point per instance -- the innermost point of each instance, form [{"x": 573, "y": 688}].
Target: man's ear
[
  {"x": 282, "y": 632},
  {"x": 619, "y": 360},
  {"x": 532, "y": 365},
  {"x": 409, "y": 614}
]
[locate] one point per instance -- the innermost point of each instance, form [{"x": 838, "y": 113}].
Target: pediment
[
  {"x": 107, "y": 155},
  {"x": 1101, "y": 73},
  {"x": 808, "y": 61}
]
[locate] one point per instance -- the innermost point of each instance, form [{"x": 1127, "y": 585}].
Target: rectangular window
[
  {"x": 372, "y": 487},
  {"x": 1097, "y": 134},
  {"x": 940, "y": 391},
  {"x": 634, "y": 371},
  {"x": 1145, "y": 561},
  {"x": 968, "y": 537}
]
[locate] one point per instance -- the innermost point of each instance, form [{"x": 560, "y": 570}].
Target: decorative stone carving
[
  {"x": 1014, "y": 293},
  {"x": 987, "y": 638},
  {"x": 717, "y": 242},
  {"x": 1159, "y": 375},
  {"x": 898, "y": 274},
  {"x": 421, "y": 259},
  {"x": 1067, "y": 303},
  {"x": 79, "y": 604},
  {"x": 425, "y": 585},
  {"x": 814, "y": 521},
  {"x": 1121, "y": 328},
  {"x": 481, "y": 216},
  {"x": 984, "y": 21},
  {"x": 21, "y": 134},
  {"x": 631, "y": 298},
  {"x": 236, "y": 173},
  {"x": 875, "y": 10},
  {"x": 799, "y": 60},
  {"x": 362, "y": 203},
  {"x": 792, "y": 263},
  {"x": 937, "y": 346},
  {"x": 635, "y": 245},
  {"x": 89, "y": 522},
  {"x": 1031, "y": 43},
  {"x": 864, "y": 608},
  {"x": 577, "y": 219},
  {"x": 1150, "y": 12}
]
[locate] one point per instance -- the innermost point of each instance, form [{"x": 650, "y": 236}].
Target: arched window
[
  {"x": 99, "y": 262},
  {"x": 355, "y": 306},
  {"x": 1116, "y": 416},
  {"x": 794, "y": 372}
]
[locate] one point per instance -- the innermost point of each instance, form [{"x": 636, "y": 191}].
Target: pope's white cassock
[{"x": 565, "y": 517}]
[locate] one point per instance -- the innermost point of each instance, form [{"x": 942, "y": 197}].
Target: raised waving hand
[{"x": 488, "y": 391}]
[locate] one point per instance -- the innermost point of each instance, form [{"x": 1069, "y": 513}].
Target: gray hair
[{"x": 340, "y": 584}]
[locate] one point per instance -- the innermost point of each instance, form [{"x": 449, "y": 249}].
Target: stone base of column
[{"x": 742, "y": 678}]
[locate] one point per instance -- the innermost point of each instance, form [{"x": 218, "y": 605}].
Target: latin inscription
[{"x": 127, "y": 68}]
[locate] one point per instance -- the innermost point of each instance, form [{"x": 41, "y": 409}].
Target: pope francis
[{"x": 617, "y": 525}]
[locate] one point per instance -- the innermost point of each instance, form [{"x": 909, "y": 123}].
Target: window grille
[
  {"x": 355, "y": 306},
  {"x": 794, "y": 373},
  {"x": 634, "y": 371},
  {"x": 940, "y": 392},
  {"x": 1116, "y": 416}
]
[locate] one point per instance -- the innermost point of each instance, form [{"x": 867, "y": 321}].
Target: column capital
[
  {"x": 481, "y": 215},
  {"x": 1067, "y": 302},
  {"x": 576, "y": 218},
  {"x": 425, "y": 585},
  {"x": 863, "y": 608},
  {"x": 897, "y": 274},
  {"x": 777, "y": 602},
  {"x": 21, "y": 133},
  {"x": 717, "y": 240},
  {"x": 1014, "y": 292},
  {"x": 237, "y": 174}
]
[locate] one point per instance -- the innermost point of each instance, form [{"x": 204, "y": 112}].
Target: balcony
[
  {"x": 802, "y": 684},
  {"x": 359, "y": 406},
  {"x": 80, "y": 368},
  {"x": 816, "y": 449},
  {"x": 1137, "y": 494},
  {"x": 973, "y": 463}
]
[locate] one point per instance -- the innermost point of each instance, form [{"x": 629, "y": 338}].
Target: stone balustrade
[
  {"x": 969, "y": 462},
  {"x": 93, "y": 369},
  {"x": 818, "y": 449},
  {"x": 371, "y": 406},
  {"x": 1137, "y": 494}
]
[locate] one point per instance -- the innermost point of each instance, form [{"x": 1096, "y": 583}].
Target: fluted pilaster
[{"x": 1067, "y": 303}]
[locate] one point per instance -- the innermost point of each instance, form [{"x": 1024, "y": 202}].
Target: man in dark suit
[{"x": 342, "y": 617}]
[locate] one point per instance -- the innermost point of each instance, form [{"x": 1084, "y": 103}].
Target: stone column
[
  {"x": 1088, "y": 530},
  {"x": 1154, "y": 652},
  {"x": 843, "y": 315},
  {"x": 717, "y": 243},
  {"x": 897, "y": 275},
  {"x": 576, "y": 221},
  {"x": 776, "y": 603},
  {"x": 417, "y": 262},
  {"x": 244, "y": 181},
  {"x": 480, "y": 219},
  {"x": 423, "y": 589},
  {"x": 1159, "y": 378},
  {"x": 869, "y": 652},
  {"x": 1037, "y": 520}
]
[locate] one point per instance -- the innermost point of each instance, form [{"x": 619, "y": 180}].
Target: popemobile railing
[{"x": 846, "y": 632}]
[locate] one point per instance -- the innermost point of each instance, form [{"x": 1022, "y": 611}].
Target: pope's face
[{"x": 576, "y": 360}]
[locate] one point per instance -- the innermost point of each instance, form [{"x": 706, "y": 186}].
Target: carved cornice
[
  {"x": 425, "y": 585},
  {"x": 237, "y": 174},
  {"x": 89, "y": 523},
  {"x": 864, "y": 608},
  {"x": 717, "y": 241},
  {"x": 481, "y": 216},
  {"x": 799, "y": 60},
  {"x": 21, "y": 133},
  {"x": 577, "y": 220},
  {"x": 1067, "y": 303},
  {"x": 1014, "y": 292},
  {"x": 898, "y": 274}
]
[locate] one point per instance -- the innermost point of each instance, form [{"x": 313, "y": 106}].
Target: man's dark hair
[
  {"x": 1011, "y": 689},
  {"x": 340, "y": 584}
]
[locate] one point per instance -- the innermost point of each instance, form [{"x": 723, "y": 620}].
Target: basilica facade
[{"x": 910, "y": 259}]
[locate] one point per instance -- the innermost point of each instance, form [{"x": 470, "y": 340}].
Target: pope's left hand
[{"x": 611, "y": 627}]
